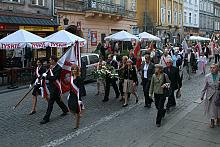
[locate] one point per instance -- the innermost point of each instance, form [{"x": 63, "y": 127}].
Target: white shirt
[{"x": 146, "y": 70}]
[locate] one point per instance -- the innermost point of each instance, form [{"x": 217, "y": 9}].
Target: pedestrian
[
  {"x": 189, "y": 61},
  {"x": 164, "y": 57},
  {"x": 122, "y": 66},
  {"x": 83, "y": 77},
  {"x": 38, "y": 85},
  {"x": 53, "y": 76},
  {"x": 216, "y": 53},
  {"x": 74, "y": 99},
  {"x": 132, "y": 57},
  {"x": 174, "y": 77},
  {"x": 202, "y": 63},
  {"x": 111, "y": 80},
  {"x": 159, "y": 82},
  {"x": 130, "y": 82},
  {"x": 100, "y": 80},
  {"x": 147, "y": 71},
  {"x": 211, "y": 94}
]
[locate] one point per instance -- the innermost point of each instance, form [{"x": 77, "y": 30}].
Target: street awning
[{"x": 27, "y": 21}]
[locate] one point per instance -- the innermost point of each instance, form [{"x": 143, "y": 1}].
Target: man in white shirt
[{"x": 147, "y": 71}]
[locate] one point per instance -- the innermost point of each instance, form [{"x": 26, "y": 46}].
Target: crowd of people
[{"x": 160, "y": 75}]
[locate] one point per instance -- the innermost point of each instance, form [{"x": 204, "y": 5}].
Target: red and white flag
[{"x": 72, "y": 56}]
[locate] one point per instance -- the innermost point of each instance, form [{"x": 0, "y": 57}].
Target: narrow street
[{"x": 102, "y": 124}]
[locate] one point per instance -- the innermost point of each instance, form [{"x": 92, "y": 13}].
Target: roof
[{"x": 27, "y": 21}]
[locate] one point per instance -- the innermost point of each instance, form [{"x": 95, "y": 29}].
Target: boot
[
  {"x": 218, "y": 122},
  {"x": 212, "y": 125}
]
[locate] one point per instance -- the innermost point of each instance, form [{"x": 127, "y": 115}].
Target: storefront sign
[
  {"x": 37, "y": 28},
  {"x": 78, "y": 24},
  {"x": 11, "y": 45},
  {"x": 41, "y": 54},
  {"x": 59, "y": 52},
  {"x": 93, "y": 38},
  {"x": 58, "y": 44},
  {"x": 2, "y": 26},
  {"x": 38, "y": 45}
]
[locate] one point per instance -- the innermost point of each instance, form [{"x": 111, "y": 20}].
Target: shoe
[
  {"x": 136, "y": 101},
  {"x": 63, "y": 114},
  {"x": 32, "y": 112},
  {"x": 158, "y": 125},
  {"x": 148, "y": 105},
  {"x": 97, "y": 93},
  {"x": 44, "y": 122},
  {"x": 125, "y": 105},
  {"x": 105, "y": 100}
]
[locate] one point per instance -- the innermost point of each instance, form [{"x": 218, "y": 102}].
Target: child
[{"x": 202, "y": 63}]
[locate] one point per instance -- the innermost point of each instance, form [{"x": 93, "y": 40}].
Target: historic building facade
[
  {"x": 191, "y": 17},
  {"x": 165, "y": 17},
  {"x": 217, "y": 16},
  {"x": 94, "y": 20},
  {"x": 206, "y": 17},
  {"x": 35, "y": 16}
]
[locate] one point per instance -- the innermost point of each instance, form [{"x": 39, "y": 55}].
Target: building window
[
  {"x": 169, "y": 17},
  {"x": 38, "y": 2},
  {"x": 175, "y": 18},
  {"x": 195, "y": 19},
  {"x": 190, "y": 1},
  {"x": 185, "y": 18},
  {"x": 180, "y": 18},
  {"x": 190, "y": 18},
  {"x": 163, "y": 14},
  {"x": 196, "y": 2}
]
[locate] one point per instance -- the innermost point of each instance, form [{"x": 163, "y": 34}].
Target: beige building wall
[{"x": 103, "y": 25}]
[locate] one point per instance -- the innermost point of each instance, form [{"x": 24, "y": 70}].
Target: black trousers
[
  {"x": 171, "y": 99},
  {"x": 121, "y": 83},
  {"x": 83, "y": 89},
  {"x": 216, "y": 58},
  {"x": 159, "y": 103},
  {"x": 54, "y": 96},
  {"x": 146, "y": 86},
  {"x": 114, "y": 85}
]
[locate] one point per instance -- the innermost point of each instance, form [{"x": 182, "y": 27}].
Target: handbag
[{"x": 166, "y": 90}]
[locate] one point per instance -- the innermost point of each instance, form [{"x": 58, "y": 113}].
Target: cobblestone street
[{"x": 103, "y": 124}]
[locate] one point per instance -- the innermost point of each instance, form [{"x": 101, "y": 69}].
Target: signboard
[
  {"x": 78, "y": 24},
  {"x": 93, "y": 38},
  {"x": 41, "y": 54},
  {"x": 37, "y": 28},
  {"x": 59, "y": 52}
]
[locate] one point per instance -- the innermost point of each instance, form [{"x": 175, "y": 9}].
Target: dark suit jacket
[
  {"x": 174, "y": 77},
  {"x": 151, "y": 70},
  {"x": 113, "y": 63}
]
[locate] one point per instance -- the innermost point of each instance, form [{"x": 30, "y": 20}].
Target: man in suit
[
  {"x": 174, "y": 77},
  {"x": 83, "y": 77},
  {"x": 110, "y": 80},
  {"x": 147, "y": 71},
  {"x": 53, "y": 76},
  {"x": 189, "y": 60}
]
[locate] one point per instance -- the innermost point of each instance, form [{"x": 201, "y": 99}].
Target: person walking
[
  {"x": 100, "y": 80},
  {"x": 164, "y": 57},
  {"x": 74, "y": 99},
  {"x": 202, "y": 63},
  {"x": 211, "y": 94},
  {"x": 147, "y": 71},
  {"x": 55, "y": 91},
  {"x": 83, "y": 71},
  {"x": 111, "y": 80},
  {"x": 189, "y": 59},
  {"x": 122, "y": 66},
  {"x": 174, "y": 77},
  {"x": 130, "y": 82},
  {"x": 159, "y": 82},
  {"x": 38, "y": 85},
  {"x": 216, "y": 53}
]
